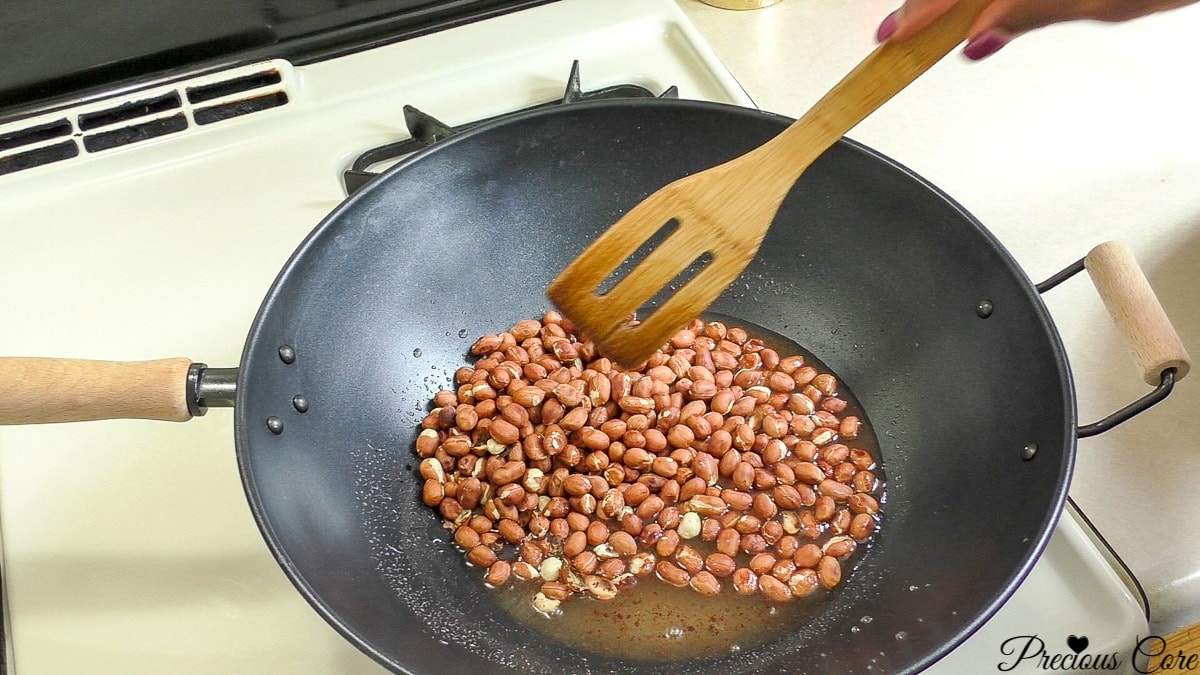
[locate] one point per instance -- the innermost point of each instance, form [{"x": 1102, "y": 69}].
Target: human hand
[{"x": 1003, "y": 20}]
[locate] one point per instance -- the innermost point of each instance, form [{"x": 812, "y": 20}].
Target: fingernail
[
  {"x": 985, "y": 45},
  {"x": 887, "y": 27}
]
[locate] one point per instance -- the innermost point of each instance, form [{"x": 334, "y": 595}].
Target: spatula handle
[
  {"x": 879, "y": 77},
  {"x": 40, "y": 391}
]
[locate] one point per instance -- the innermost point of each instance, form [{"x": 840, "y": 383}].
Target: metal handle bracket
[{"x": 1123, "y": 285}]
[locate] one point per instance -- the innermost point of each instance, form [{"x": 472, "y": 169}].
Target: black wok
[{"x": 872, "y": 269}]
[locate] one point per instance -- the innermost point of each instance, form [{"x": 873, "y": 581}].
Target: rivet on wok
[
  {"x": 275, "y": 425},
  {"x": 300, "y": 403},
  {"x": 984, "y": 309},
  {"x": 287, "y": 354},
  {"x": 1029, "y": 451}
]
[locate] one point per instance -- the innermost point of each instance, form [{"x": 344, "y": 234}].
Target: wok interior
[{"x": 869, "y": 268}]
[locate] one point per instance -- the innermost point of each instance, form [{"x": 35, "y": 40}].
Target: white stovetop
[{"x": 1065, "y": 138}]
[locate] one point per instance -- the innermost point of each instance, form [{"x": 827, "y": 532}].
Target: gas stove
[{"x": 149, "y": 221}]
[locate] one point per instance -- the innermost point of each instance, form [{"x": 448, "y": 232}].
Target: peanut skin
[{"x": 718, "y": 462}]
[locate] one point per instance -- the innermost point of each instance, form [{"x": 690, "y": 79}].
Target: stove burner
[{"x": 426, "y": 129}]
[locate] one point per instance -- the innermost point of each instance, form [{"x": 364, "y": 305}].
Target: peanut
[
  {"x": 498, "y": 573},
  {"x": 706, "y": 584},
  {"x": 433, "y": 493},
  {"x": 549, "y": 448},
  {"x": 774, "y": 589},
  {"x": 829, "y": 572},
  {"x": 672, "y": 574},
  {"x": 481, "y": 556},
  {"x": 836, "y": 490},
  {"x": 861, "y": 526},
  {"x": 803, "y": 583},
  {"x": 745, "y": 581}
]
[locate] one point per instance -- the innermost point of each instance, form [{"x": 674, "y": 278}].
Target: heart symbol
[{"x": 1077, "y": 644}]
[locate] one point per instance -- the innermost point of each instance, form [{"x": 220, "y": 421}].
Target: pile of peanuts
[{"x": 716, "y": 462}]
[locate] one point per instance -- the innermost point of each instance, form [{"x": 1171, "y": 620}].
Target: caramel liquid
[{"x": 654, "y": 621}]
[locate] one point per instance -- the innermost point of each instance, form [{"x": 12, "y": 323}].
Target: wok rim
[{"x": 253, "y": 352}]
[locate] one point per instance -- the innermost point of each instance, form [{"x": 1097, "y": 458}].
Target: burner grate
[{"x": 425, "y": 129}]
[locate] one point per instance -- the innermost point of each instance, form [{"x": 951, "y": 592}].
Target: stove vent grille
[{"x": 101, "y": 126}]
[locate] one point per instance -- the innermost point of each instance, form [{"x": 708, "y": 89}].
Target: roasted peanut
[
  {"x": 530, "y": 552},
  {"x": 623, "y": 543},
  {"x": 829, "y": 572},
  {"x": 668, "y": 544},
  {"x": 840, "y": 523},
  {"x": 783, "y": 570},
  {"x": 548, "y": 448},
  {"x": 450, "y": 509},
  {"x": 763, "y": 506},
  {"x": 729, "y": 542},
  {"x": 599, "y": 587},
  {"x": 691, "y": 487},
  {"x": 808, "y": 473},
  {"x": 665, "y": 467},
  {"x": 863, "y": 503},
  {"x": 803, "y": 583},
  {"x": 864, "y": 481},
  {"x": 772, "y": 531},
  {"x": 706, "y": 505},
  {"x": 481, "y": 556},
  {"x": 719, "y": 564},
  {"x": 774, "y": 589},
  {"x": 748, "y": 524},
  {"x": 807, "y": 555},
  {"x": 672, "y": 574},
  {"x": 498, "y": 573},
  {"x": 612, "y": 568},
  {"x": 524, "y": 571},
  {"x": 511, "y": 531},
  {"x": 824, "y": 508},
  {"x": 669, "y": 517},
  {"x": 786, "y": 497},
  {"x": 597, "y": 533},
  {"x": 737, "y": 500},
  {"x": 706, "y": 584},
  {"x": 433, "y": 492},
  {"x": 762, "y": 563},
  {"x": 838, "y": 491},
  {"x": 861, "y": 526},
  {"x": 839, "y": 547},
  {"x": 753, "y": 544}
]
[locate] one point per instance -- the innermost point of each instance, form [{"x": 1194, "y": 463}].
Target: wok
[{"x": 915, "y": 306}]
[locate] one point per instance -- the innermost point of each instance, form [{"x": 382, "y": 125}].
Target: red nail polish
[
  {"x": 887, "y": 27},
  {"x": 985, "y": 45}
]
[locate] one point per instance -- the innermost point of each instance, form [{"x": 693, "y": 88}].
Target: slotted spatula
[{"x": 725, "y": 211}]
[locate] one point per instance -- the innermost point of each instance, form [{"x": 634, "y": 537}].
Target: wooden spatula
[{"x": 725, "y": 211}]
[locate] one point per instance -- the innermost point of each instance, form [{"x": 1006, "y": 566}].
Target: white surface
[
  {"x": 1067, "y": 137},
  {"x": 128, "y": 545}
]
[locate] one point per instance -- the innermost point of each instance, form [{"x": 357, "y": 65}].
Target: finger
[
  {"x": 1021, "y": 16},
  {"x": 912, "y": 17},
  {"x": 1014, "y": 17},
  {"x": 1004, "y": 20}
]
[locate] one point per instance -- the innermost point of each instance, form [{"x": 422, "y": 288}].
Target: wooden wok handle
[
  {"x": 41, "y": 391},
  {"x": 1136, "y": 309}
]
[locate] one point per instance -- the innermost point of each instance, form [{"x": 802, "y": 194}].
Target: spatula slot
[
  {"x": 637, "y": 257},
  {"x": 647, "y": 309}
]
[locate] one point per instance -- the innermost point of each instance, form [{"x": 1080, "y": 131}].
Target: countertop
[{"x": 1068, "y": 137}]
